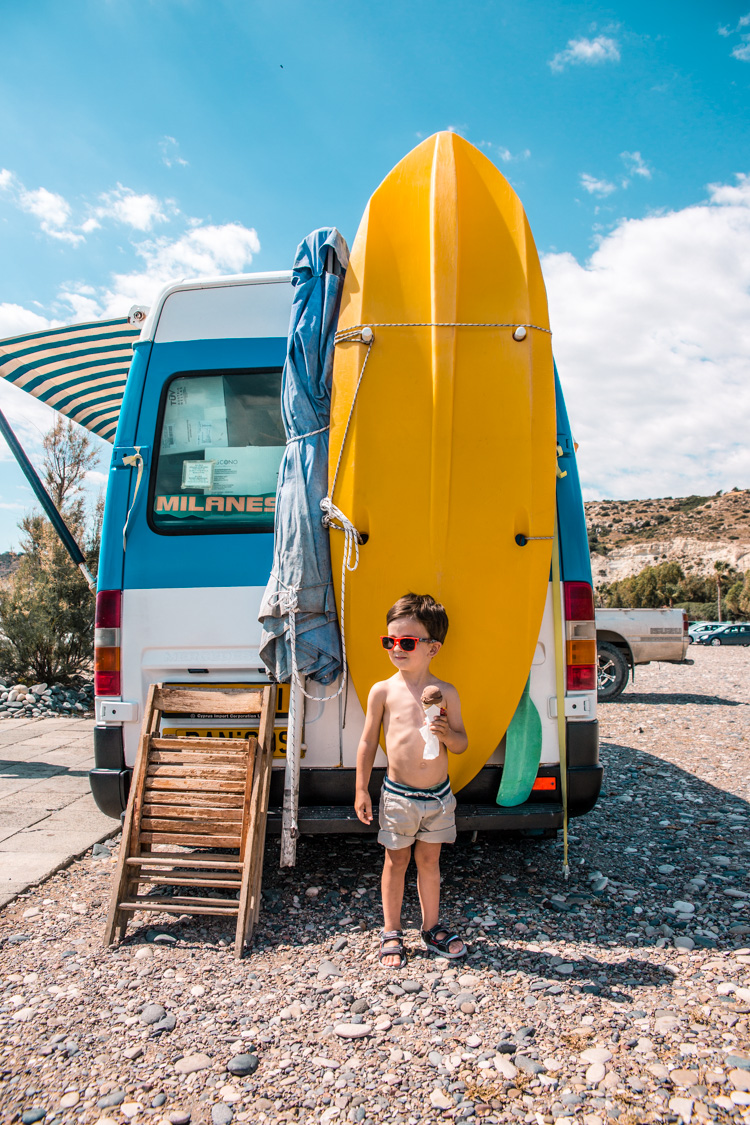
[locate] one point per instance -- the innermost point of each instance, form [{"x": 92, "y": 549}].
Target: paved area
[{"x": 47, "y": 813}]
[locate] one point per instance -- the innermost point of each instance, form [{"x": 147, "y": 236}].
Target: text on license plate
[{"x": 279, "y": 735}]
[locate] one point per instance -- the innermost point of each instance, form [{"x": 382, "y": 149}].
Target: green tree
[{"x": 46, "y": 607}]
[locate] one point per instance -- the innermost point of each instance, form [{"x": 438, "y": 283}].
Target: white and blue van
[{"x": 187, "y": 547}]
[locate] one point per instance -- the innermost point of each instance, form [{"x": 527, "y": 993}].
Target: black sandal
[
  {"x": 442, "y": 945},
  {"x": 395, "y": 938}
]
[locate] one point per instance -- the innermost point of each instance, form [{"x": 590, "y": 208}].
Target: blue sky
[{"x": 147, "y": 139}]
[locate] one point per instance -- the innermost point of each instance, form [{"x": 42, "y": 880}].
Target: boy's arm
[
  {"x": 366, "y": 751},
  {"x": 450, "y": 727}
]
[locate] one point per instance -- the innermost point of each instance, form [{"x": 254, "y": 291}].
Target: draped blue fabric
[{"x": 301, "y": 571}]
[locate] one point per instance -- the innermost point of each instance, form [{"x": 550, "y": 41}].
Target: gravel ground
[{"x": 620, "y": 995}]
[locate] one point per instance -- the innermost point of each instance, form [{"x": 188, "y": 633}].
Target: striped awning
[{"x": 79, "y": 370}]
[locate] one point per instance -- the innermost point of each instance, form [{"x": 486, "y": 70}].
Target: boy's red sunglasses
[{"x": 407, "y": 644}]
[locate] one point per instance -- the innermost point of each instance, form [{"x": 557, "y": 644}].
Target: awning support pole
[
  {"x": 289, "y": 828},
  {"x": 45, "y": 500}
]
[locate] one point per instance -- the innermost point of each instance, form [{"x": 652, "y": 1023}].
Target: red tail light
[
  {"x": 107, "y": 642},
  {"x": 580, "y": 636}
]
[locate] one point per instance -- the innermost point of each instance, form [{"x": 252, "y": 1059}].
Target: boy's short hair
[{"x": 427, "y": 611}]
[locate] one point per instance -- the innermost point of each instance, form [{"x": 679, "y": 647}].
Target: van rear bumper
[{"x": 327, "y": 795}]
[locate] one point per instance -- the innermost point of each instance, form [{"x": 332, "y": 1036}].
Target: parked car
[
  {"x": 726, "y": 635},
  {"x": 699, "y": 628}
]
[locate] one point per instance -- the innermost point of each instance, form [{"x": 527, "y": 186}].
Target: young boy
[{"x": 416, "y": 803}]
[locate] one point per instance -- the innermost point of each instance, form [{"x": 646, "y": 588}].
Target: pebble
[
  {"x": 243, "y": 1064},
  {"x": 352, "y": 1030},
  {"x": 221, "y": 1114},
  {"x": 152, "y": 1013},
  {"x": 31, "y": 1116},
  {"x": 189, "y": 1064},
  {"x": 180, "y": 1117}
]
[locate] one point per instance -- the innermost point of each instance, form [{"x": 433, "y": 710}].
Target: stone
[
  {"x": 130, "y": 1109},
  {"x": 243, "y": 1064},
  {"x": 67, "y": 1101},
  {"x": 230, "y": 1094},
  {"x": 740, "y": 1079},
  {"x": 328, "y": 969},
  {"x": 152, "y": 1013},
  {"x": 411, "y": 986},
  {"x": 684, "y": 1077},
  {"x": 531, "y": 1066},
  {"x": 738, "y": 1060},
  {"x": 221, "y": 1114},
  {"x": 189, "y": 1064},
  {"x": 683, "y": 907},
  {"x": 31, "y": 1116},
  {"x": 352, "y": 1030},
  {"x": 440, "y": 1100},
  {"x": 683, "y": 1107},
  {"x": 132, "y": 1053},
  {"x": 595, "y": 1073},
  {"x": 682, "y": 941},
  {"x": 596, "y": 1055},
  {"x": 117, "y": 1097},
  {"x": 360, "y": 1006},
  {"x": 180, "y": 1117},
  {"x": 505, "y": 1067}
]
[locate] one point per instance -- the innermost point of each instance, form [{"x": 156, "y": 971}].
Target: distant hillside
[
  {"x": 9, "y": 561},
  {"x": 696, "y": 531}
]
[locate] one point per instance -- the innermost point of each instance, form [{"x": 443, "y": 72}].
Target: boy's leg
[
  {"x": 392, "y": 891},
  {"x": 427, "y": 857}
]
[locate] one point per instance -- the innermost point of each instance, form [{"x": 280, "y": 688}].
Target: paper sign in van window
[
  {"x": 198, "y": 474},
  {"x": 254, "y": 468}
]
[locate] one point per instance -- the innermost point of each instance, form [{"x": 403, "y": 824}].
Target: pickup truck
[{"x": 626, "y": 637}]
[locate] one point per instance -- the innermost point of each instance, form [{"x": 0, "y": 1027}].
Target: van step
[{"x": 319, "y": 819}]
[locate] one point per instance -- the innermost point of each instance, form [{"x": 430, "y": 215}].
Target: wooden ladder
[{"x": 196, "y": 793}]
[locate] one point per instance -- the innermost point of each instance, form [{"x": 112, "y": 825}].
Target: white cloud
[
  {"x": 636, "y": 164},
  {"x": 504, "y": 154},
  {"x": 652, "y": 339},
  {"x": 202, "y": 251},
  {"x": 590, "y": 52},
  {"x": 742, "y": 50},
  {"x": 170, "y": 153},
  {"x": 600, "y": 188},
  {"x": 52, "y": 211},
  {"x": 125, "y": 206}
]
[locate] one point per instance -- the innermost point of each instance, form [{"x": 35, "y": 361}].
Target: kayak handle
[{"x": 522, "y": 540}]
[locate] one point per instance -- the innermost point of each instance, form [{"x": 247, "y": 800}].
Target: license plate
[{"x": 279, "y": 735}]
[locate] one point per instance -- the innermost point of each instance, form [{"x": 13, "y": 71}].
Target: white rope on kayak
[{"x": 342, "y": 336}]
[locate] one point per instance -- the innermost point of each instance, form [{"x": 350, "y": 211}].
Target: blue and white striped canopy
[{"x": 79, "y": 370}]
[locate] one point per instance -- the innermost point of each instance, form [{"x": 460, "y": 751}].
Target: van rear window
[{"x": 220, "y": 445}]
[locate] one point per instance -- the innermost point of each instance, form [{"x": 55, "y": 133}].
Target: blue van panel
[
  {"x": 156, "y": 561},
  {"x": 118, "y": 483},
  {"x": 575, "y": 560}
]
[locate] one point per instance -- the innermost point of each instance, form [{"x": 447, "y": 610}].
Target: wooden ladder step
[
  {"x": 171, "y": 906},
  {"x": 188, "y": 860},
  {"x": 197, "y": 793},
  {"x": 188, "y": 743},
  {"x": 166, "y": 879}
]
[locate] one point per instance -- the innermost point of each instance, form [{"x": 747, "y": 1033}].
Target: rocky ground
[
  {"x": 622, "y": 995},
  {"x": 18, "y": 701}
]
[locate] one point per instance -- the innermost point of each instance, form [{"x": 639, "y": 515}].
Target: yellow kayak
[{"x": 449, "y": 457}]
